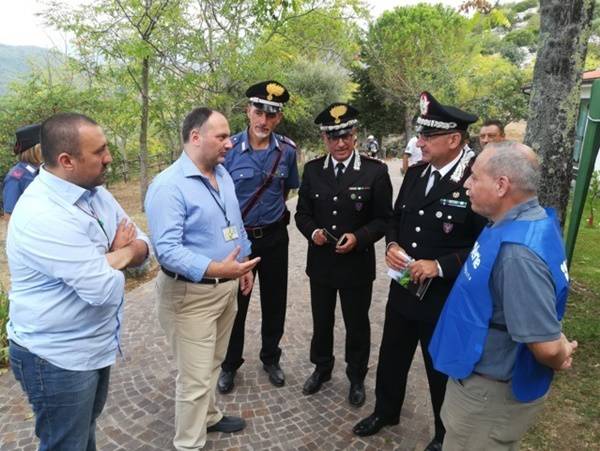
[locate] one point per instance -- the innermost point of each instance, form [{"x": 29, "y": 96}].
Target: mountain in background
[{"x": 16, "y": 61}]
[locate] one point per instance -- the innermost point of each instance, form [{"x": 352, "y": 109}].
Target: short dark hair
[
  {"x": 195, "y": 119},
  {"x": 60, "y": 133},
  {"x": 495, "y": 122}
]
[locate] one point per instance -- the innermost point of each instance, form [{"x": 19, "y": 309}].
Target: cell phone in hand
[
  {"x": 331, "y": 238},
  {"x": 343, "y": 240}
]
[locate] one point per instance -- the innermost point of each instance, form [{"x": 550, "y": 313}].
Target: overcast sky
[{"x": 20, "y": 26}]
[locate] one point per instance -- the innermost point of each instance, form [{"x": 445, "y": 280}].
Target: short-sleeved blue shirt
[
  {"x": 249, "y": 168},
  {"x": 15, "y": 182}
]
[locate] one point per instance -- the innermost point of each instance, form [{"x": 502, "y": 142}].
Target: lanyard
[
  {"x": 93, "y": 214},
  {"x": 221, "y": 207}
]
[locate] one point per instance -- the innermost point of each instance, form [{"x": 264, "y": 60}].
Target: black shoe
[
  {"x": 276, "y": 376},
  {"x": 371, "y": 425},
  {"x": 228, "y": 424},
  {"x": 434, "y": 445},
  {"x": 225, "y": 383},
  {"x": 357, "y": 396},
  {"x": 314, "y": 382}
]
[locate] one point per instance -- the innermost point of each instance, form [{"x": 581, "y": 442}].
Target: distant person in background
[
  {"x": 372, "y": 146},
  {"x": 492, "y": 130},
  {"x": 22, "y": 174},
  {"x": 412, "y": 154}
]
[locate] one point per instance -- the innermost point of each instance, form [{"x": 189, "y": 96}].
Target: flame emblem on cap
[
  {"x": 424, "y": 104},
  {"x": 273, "y": 89},
  {"x": 338, "y": 111}
]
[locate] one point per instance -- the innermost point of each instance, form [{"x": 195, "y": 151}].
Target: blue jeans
[{"x": 66, "y": 403}]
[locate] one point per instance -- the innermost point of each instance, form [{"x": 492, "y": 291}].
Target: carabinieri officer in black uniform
[
  {"x": 344, "y": 205},
  {"x": 433, "y": 224},
  {"x": 264, "y": 170}
]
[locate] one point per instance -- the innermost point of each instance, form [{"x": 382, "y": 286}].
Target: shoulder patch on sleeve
[{"x": 17, "y": 173}]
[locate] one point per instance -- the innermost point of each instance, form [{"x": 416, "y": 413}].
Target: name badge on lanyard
[{"x": 230, "y": 233}]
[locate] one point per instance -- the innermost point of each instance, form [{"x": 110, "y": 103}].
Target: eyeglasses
[{"x": 346, "y": 138}]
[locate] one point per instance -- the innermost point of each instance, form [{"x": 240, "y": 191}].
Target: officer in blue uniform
[
  {"x": 434, "y": 224},
  {"x": 22, "y": 174},
  {"x": 264, "y": 169},
  {"x": 344, "y": 206}
]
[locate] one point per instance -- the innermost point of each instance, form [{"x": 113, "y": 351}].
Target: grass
[{"x": 571, "y": 417}]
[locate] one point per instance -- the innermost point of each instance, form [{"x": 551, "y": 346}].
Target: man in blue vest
[{"x": 499, "y": 336}]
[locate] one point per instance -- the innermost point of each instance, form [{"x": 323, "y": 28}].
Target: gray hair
[{"x": 516, "y": 161}]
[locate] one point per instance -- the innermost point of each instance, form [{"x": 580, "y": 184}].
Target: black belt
[
  {"x": 490, "y": 378},
  {"x": 204, "y": 280},
  {"x": 260, "y": 231}
]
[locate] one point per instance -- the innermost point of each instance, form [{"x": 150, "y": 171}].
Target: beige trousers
[
  {"x": 482, "y": 414},
  {"x": 197, "y": 320}
]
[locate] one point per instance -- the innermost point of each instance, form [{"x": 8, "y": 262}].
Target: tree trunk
[
  {"x": 564, "y": 32},
  {"x": 144, "y": 132},
  {"x": 122, "y": 143}
]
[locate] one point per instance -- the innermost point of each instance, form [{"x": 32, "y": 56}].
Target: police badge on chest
[{"x": 447, "y": 227}]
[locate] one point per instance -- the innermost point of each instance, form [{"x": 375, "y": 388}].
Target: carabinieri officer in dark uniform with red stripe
[
  {"x": 433, "y": 224},
  {"x": 344, "y": 205},
  {"x": 264, "y": 170}
]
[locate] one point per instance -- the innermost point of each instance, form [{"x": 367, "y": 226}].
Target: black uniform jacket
[
  {"x": 360, "y": 203},
  {"x": 440, "y": 226}
]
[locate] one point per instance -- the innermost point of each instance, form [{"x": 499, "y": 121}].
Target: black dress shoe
[
  {"x": 434, "y": 445},
  {"x": 314, "y": 382},
  {"x": 225, "y": 383},
  {"x": 371, "y": 425},
  {"x": 357, "y": 397},
  {"x": 276, "y": 376},
  {"x": 228, "y": 424}
]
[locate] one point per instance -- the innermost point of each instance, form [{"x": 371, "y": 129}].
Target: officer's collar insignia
[
  {"x": 462, "y": 165},
  {"x": 355, "y": 166},
  {"x": 337, "y": 111},
  {"x": 424, "y": 104},
  {"x": 274, "y": 89}
]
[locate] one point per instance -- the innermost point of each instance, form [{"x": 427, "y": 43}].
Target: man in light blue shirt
[
  {"x": 199, "y": 239},
  {"x": 67, "y": 241}
]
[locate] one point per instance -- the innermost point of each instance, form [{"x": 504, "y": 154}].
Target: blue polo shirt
[
  {"x": 249, "y": 169},
  {"x": 18, "y": 178}
]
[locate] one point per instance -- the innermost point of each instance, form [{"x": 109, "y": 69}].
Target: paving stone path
[{"x": 139, "y": 414}]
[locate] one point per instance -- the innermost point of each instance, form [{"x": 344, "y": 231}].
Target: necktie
[
  {"x": 436, "y": 178},
  {"x": 339, "y": 170}
]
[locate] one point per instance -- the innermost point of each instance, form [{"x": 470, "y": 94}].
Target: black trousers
[
  {"x": 272, "y": 271},
  {"x": 398, "y": 345},
  {"x": 355, "y": 303}
]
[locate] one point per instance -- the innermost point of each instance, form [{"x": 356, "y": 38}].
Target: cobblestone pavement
[{"x": 139, "y": 414}]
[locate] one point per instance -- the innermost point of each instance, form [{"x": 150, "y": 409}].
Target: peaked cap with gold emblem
[
  {"x": 436, "y": 118},
  {"x": 337, "y": 119},
  {"x": 27, "y": 137},
  {"x": 268, "y": 96}
]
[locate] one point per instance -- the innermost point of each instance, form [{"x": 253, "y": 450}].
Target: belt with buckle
[
  {"x": 260, "y": 231},
  {"x": 204, "y": 280}
]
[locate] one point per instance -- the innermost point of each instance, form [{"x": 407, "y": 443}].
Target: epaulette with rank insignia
[
  {"x": 287, "y": 140},
  {"x": 375, "y": 160},
  {"x": 17, "y": 173}
]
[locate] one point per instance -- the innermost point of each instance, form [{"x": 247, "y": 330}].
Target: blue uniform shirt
[
  {"x": 250, "y": 168},
  {"x": 186, "y": 224},
  {"x": 15, "y": 182},
  {"x": 66, "y": 301}
]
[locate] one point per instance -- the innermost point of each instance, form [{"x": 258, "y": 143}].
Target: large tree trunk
[
  {"x": 564, "y": 32},
  {"x": 144, "y": 132}
]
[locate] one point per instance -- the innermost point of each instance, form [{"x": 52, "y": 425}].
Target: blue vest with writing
[{"x": 461, "y": 331}]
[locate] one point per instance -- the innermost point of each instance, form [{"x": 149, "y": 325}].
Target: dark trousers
[
  {"x": 355, "y": 303},
  {"x": 398, "y": 345},
  {"x": 66, "y": 403},
  {"x": 272, "y": 271}
]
